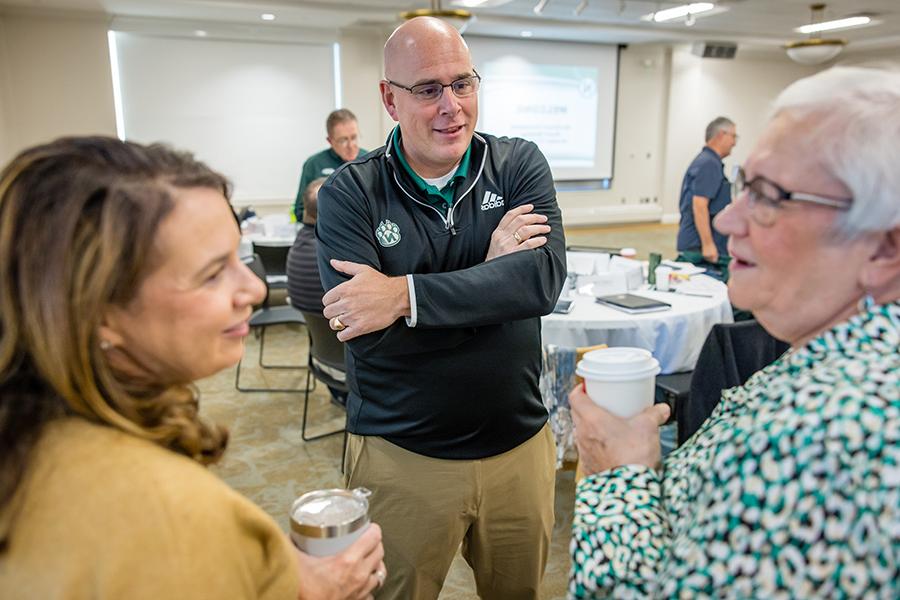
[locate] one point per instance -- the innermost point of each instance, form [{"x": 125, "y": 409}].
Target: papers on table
[
  {"x": 603, "y": 284},
  {"x": 683, "y": 268},
  {"x": 701, "y": 285}
]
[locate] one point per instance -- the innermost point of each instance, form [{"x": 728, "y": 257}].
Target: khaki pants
[{"x": 499, "y": 508}]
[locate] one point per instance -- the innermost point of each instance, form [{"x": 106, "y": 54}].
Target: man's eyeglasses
[
  {"x": 766, "y": 198},
  {"x": 346, "y": 141},
  {"x": 429, "y": 92}
]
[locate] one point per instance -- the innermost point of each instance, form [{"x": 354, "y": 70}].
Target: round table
[{"x": 674, "y": 336}]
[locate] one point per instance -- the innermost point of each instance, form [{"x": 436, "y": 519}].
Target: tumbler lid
[{"x": 330, "y": 513}]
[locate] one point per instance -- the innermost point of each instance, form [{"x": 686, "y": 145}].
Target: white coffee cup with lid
[
  {"x": 325, "y": 522},
  {"x": 621, "y": 380}
]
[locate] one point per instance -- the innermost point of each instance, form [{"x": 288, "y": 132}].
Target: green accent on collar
[{"x": 443, "y": 198}]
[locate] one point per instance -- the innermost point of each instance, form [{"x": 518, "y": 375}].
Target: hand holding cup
[{"x": 606, "y": 441}]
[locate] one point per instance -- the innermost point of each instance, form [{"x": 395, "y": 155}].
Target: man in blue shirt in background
[{"x": 705, "y": 191}]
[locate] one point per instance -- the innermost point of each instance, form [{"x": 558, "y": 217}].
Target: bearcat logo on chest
[
  {"x": 387, "y": 233},
  {"x": 491, "y": 200}
]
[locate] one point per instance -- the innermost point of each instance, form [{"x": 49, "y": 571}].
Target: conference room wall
[
  {"x": 57, "y": 79},
  {"x": 5, "y": 142},
  {"x": 888, "y": 57},
  {"x": 361, "y": 69},
  {"x": 58, "y": 82},
  {"x": 702, "y": 89}
]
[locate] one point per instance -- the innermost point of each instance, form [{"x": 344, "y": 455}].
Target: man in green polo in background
[{"x": 343, "y": 141}]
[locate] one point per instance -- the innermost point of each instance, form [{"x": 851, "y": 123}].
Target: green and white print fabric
[{"x": 791, "y": 489}]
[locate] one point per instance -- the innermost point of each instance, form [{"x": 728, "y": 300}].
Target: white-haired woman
[{"x": 791, "y": 489}]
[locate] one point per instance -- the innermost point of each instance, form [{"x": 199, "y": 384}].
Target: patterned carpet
[{"x": 268, "y": 462}]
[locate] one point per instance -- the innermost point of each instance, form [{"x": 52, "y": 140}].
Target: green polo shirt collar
[{"x": 439, "y": 198}]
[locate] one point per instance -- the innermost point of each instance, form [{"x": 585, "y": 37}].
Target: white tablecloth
[{"x": 673, "y": 336}]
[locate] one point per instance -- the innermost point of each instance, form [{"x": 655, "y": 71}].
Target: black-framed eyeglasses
[
  {"x": 429, "y": 92},
  {"x": 767, "y": 197}
]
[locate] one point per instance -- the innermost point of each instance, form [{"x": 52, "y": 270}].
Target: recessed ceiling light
[
  {"x": 836, "y": 24},
  {"x": 200, "y": 33},
  {"x": 267, "y": 17},
  {"x": 526, "y": 34}
]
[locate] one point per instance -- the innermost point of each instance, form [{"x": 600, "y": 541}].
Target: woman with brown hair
[{"x": 120, "y": 284}]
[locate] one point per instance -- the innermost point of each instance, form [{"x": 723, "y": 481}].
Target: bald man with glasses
[{"x": 440, "y": 251}]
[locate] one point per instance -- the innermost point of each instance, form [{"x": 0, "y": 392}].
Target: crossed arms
[{"x": 519, "y": 278}]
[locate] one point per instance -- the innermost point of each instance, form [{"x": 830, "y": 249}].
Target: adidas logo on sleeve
[{"x": 491, "y": 200}]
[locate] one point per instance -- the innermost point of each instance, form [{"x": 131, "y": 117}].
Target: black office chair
[
  {"x": 673, "y": 389},
  {"x": 731, "y": 353},
  {"x": 274, "y": 260},
  {"x": 326, "y": 364},
  {"x": 263, "y": 318}
]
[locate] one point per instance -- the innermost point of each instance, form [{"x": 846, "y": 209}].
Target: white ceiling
[{"x": 751, "y": 23}]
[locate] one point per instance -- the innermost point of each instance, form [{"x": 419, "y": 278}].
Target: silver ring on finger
[
  {"x": 380, "y": 575},
  {"x": 517, "y": 237}
]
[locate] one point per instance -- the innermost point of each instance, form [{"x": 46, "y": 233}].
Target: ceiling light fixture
[
  {"x": 200, "y": 33},
  {"x": 580, "y": 8},
  {"x": 838, "y": 24},
  {"x": 526, "y": 34},
  {"x": 457, "y": 17},
  {"x": 480, "y": 3},
  {"x": 267, "y": 17},
  {"x": 814, "y": 50},
  {"x": 678, "y": 12},
  {"x": 540, "y": 6}
]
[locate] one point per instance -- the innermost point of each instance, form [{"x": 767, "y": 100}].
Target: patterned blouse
[{"x": 791, "y": 489}]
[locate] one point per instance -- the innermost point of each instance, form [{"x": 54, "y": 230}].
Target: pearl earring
[{"x": 105, "y": 345}]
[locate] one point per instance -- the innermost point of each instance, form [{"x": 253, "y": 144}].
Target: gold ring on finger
[
  {"x": 517, "y": 237},
  {"x": 336, "y": 324}
]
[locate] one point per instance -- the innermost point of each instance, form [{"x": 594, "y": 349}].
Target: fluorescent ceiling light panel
[
  {"x": 267, "y": 17},
  {"x": 837, "y": 24},
  {"x": 684, "y": 10},
  {"x": 480, "y": 3}
]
